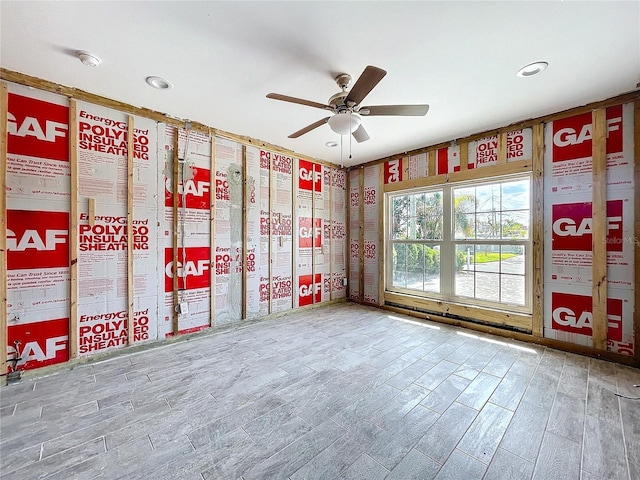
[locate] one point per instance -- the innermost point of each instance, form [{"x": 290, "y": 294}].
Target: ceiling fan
[{"x": 346, "y": 108}]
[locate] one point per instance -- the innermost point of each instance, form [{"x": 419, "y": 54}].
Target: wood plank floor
[{"x": 342, "y": 392}]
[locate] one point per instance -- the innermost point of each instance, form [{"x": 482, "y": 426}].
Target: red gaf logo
[
  {"x": 572, "y": 226},
  {"x": 393, "y": 171},
  {"x": 572, "y": 136},
  {"x": 195, "y": 190},
  {"x": 309, "y": 291},
  {"x": 573, "y": 314},
  {"x": 310, "y": 235},
  {"x": 37, "y": 128},
  {"x": 37, "y": 239},
  {"x": 41, "y": 343},
  {"x": 193, "y": 272},
  {"x": 309, "y": 176}
]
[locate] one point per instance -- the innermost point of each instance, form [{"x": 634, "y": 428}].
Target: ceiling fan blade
[
  {"x": 367, "y": 81},
  {"x": 408, "y": 110},
  {"x": 308, "y": 128},
  {"x": 300, "y": 101},
  {"x": 360, "y": 134}
]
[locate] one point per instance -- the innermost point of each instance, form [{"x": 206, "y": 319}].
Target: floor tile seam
[{"x": 37, "y": 462}]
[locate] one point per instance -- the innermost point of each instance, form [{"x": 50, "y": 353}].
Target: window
[{"x": 467, "y": 243}]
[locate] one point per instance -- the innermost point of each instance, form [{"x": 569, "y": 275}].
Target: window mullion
[{"x": 447, "y": 269}]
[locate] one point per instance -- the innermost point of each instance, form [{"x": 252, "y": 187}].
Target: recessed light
[
  {"x": 159, "y": 83},
  {"x": 89, "y": 59},
  {"x": 532, "y": 69},
  {"x": 331, "y": 144}
]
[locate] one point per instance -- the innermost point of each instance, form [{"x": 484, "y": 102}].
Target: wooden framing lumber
[
  {"x": 212, "y": 237},
  {"x": 599, "y": 229},
  {"x": 382, "y": 202},
  {"x": 464, "y": 156},
  {"x": 636, "y": 227},
  {"x": 502, "y": 148},
  {"x": 4, "y": 333},
  {"x": 73, "y": 228},
  {"x": 130, "y": 295},
  {"x": 245, "y": 193},
  {"x": 361, "y": 234},
  {"x": 174, "y": 182},
  {"x": 537, "y": 233}
]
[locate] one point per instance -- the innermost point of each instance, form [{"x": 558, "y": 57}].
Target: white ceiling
[{"x": 224, "y": 57}]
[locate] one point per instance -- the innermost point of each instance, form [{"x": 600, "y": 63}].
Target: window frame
[{"x": 448, "y": 245}]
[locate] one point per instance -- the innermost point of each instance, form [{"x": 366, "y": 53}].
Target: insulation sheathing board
[
  {"x": 568, "y": 229},
  {"x": 282, "y": 231},
  {"x": 194, "y": 251},
  {"x": 484, "y": 152},
  {"x": 38, "y": 195},
  {"x": 354, "y": 235},
  {"x": 228, "y": 231},
  {"x": 256, "y": 267},
  {"x": 372, "y": 197},
  {"x": 338, "y": 233},
  {"x": 102, "y": 247},
  {"x": 309, "y": 232}
]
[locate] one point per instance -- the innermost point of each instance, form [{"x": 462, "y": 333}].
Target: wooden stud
[
  {"x": 521, "y": 166},
  {"x": 4, "y": 333},
  {"x": 502, "y": 148},
  {"x": 347, "y": 221},
  {"x": 636, "y": 229},
  {"x": 599, "y": 229},
  {"x": 361, "y": 235},
  {"x": 431, "y": 164},
  {"x": 245, "y": 193},
  {"x": 212, "y": 238},
  {"x": 130, "y": 280},
  {"x": 271, "y": 196},
  {"x": 294, "y": 229},
  {"x": 73, "y": 229},
  {"x": 175, "y": 184},
  {"x": 313, "y": 247},
  {"x": 464, "y": 156},
  {"x": 381, "y": 234},
  {"x": 537, "y": 198},
  {"x": 331, "y": 200},
  {"x": 92, "y": 211}
]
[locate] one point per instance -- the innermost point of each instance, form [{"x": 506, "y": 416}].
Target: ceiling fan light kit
[
  {"x": 346, "y": 106},
  {"x": 345, "y": 123}
]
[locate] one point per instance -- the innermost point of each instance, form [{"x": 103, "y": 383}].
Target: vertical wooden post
[
  {"x": 92, "y": 211},
  {"x": 73, "y": 230},
  {"x": 331, "y": 200},
  {"x": 271, "y": 194},
  {"x": 502, "y": 148},
  {"x": 245, "y": 192},
  {"x": 313, "y": 224},
  {"x": 636, "y": 227},
  {"x": 212, "y": 237},
  {"x": 294, "y": 229},
  {"x": 174, "y": 182},
  {"x": 361, "y": 234},
  {"x": 537, "y": 198},
  {"x": 130, "y": 296},
  {"x": 381, "y": 233},
  {"x": 4, "y": 334},
  {"x": 464, "y": 156},
  {"x": 599, "y": 229},
  {"x": 347, "y": 221},
  {"x": 431, "y": 163}
]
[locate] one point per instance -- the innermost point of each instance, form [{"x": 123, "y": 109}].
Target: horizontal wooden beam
[
  {"x": 522, "y": 166},
  {"x": 501, "y": 318}
]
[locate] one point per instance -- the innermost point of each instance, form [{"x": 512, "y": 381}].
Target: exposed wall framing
[
  {"x": 599, "y": 229},
  {"x": 382, "y": 201},
  {"x": 636, "y": 227},
  {"x": 245, "y": 202},
  {"x": 361, "y": 232},
  {"x": 4, "y": 97},
  {"x": 212, "y": 238},
  {"x": 537, "y": 234},
  {"x": 130, "y": 297},
  {"x": 73, "y": 230},
  {"x": 174, "y": 269}
]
